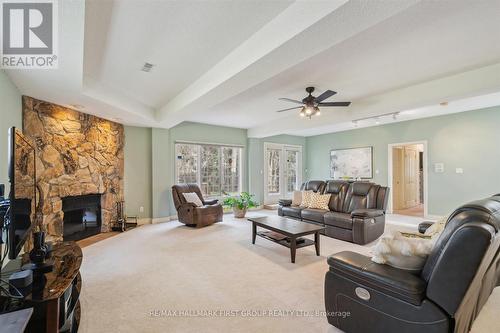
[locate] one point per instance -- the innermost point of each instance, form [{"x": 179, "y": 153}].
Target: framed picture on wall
[{"x": 351, "y": 163}]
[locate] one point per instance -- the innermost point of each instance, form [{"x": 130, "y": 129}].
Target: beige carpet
[{"x": 166, "y": 267}]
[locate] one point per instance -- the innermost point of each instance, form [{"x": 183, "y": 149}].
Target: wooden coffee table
[{"x": 291, "y": 228}]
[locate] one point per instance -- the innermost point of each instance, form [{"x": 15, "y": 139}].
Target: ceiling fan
[{"x": 310, "y": 104}]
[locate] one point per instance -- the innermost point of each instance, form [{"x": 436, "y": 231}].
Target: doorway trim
[
  {"x": 283, "y": 147},
  {"x": 425, "y": 168}
]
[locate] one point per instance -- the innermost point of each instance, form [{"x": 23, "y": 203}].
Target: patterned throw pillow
[
  {"x": 319, "y": 201},
  {"x": 297, "y": 198},
  {"x": 306, "y": 198},
  {"x": 192, "y": 197}
]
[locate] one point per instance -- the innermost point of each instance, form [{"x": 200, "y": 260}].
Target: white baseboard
[
  {"x": 144, "y": 220},
  {"x": 160, "y": 219},
  {"x": 164, "y": 219}
]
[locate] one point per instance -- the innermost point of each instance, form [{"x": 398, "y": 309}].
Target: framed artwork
[{"x": 351, "y": 163}]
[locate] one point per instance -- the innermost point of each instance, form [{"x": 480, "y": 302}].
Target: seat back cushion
[
  {"x": 314, "y": 185},
  {"x": 361, "y": 195},
  {"x": 338, "y": 190}
]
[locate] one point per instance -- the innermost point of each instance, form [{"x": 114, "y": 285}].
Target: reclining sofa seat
[
  {"x": 295, "y": 211},
  {"x": 356, "y": 211},
  {"x": 456, "y": 281}
]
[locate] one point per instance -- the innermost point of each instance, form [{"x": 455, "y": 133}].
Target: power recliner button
[{"x": 362, "y": 293}]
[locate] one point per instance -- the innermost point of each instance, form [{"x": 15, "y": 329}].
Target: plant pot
[{"x": 239, "y": 213}]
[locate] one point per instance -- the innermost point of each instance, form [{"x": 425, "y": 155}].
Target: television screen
[{"x": 22, "y": 177}]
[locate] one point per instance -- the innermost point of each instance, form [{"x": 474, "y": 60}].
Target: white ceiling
[{"x": 227, "y": 63}]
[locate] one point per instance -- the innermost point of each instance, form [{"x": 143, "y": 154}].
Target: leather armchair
[
  {"x": 457, "y": 278},
  {"x": 191, "y": 215}
]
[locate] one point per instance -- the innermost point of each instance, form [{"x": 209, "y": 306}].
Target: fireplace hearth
[{"x": 82, "y": 216}]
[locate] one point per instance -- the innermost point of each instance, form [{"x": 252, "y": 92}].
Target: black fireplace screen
[{"x": 82, "y": 216}]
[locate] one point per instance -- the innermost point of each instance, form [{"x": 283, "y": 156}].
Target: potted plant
[{"x": 240, "y": 203}]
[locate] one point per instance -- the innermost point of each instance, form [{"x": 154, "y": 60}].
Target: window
[{"x": 216, "y": 169}]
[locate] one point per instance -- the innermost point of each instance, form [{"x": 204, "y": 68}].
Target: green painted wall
[
  {"x": 256, "y": 160},
  {"x": 138, "y": 171},
  {"x": 161, "y": 166},
  {"x": 10, "y": 115},
  {"x": 163, "y": 151},
  {"x": 468, "y": 140}
]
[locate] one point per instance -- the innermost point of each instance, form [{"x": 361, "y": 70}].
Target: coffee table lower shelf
[{"x": 284, "y": 242}]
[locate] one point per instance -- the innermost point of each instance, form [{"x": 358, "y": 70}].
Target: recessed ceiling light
[{"x": 147, "y": 67}]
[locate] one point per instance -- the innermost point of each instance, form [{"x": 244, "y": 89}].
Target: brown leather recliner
[{"x": 191, "y": 215}]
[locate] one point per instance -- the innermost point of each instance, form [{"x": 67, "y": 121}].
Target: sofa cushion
[
  {"x": 306, "y": 198},
  {"x": 297, "y": 198},
  {"x": 319, "y": 201},
  {"x": 193, "y": 198},
  {"x": 314, "y": 214},
  {"x": 291, "y": 211},
  {"x": 341, "y": 220}
]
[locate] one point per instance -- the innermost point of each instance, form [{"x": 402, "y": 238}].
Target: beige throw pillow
[
  {"x": 297, "y": 198},
  {"x": 306, "y": 198},
  {"x": 192, "y": 197},
  {"x": 319, "y": 201}
]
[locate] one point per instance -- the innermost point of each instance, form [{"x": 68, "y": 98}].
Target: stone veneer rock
[{"x": 78, "y": 154}]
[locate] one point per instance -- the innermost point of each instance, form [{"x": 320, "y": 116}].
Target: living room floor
[{"x": 133, "y": 282}]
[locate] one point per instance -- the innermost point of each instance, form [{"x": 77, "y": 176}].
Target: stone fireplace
[
  {"x": 82, "y": 216},
  {"x": 77, "y": 155}
]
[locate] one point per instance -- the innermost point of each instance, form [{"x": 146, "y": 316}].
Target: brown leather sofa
[
  {"x": 446, "y": 296},
  {"x": 356, "y": 210},
  {"x": 191, "y": 215}
]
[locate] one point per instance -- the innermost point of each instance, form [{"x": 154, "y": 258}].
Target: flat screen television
[{"x": 22, "y": 178}]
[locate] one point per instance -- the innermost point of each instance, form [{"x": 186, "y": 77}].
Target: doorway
[
  {"x": 282, "y": 171},
  {"x": 407, "y": 174}
]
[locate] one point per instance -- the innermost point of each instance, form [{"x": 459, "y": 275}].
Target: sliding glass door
[
  {"x": 216, "y": 169},
  {"x": 282, "y": 171}
]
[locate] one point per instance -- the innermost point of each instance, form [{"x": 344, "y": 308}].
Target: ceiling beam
[{"x": 295, "y": 35}]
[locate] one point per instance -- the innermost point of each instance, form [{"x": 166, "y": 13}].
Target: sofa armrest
[
  {"x": 211, "y": 202},
  {"x": 383, "y": 278},
  {"x": 285, "y": 202},
  {"x": 366, "y": 213}
]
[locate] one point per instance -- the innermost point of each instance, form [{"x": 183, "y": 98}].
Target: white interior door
[
  {"x": 411, "y": 176},
  {"x": 398, "y": 194},
  {"x": 282, "y": 171}
]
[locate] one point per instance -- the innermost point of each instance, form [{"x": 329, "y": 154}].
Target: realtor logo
[{"x": 29, "y": 38}]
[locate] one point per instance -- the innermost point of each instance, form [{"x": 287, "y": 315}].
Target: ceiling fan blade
[
  {"x": 297, "y": 107},
  {"x": 335, "y": 104},
  {"x": 325, "y": 95},
  {"x": 291, "y": 100}
]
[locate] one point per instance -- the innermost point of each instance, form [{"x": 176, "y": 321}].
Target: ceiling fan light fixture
[
  {"x": 309, "y": 111},
  {"x": 302, "y": 112}
]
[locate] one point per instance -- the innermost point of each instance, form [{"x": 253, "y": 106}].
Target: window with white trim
[{"x": 215, "y": 168}]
